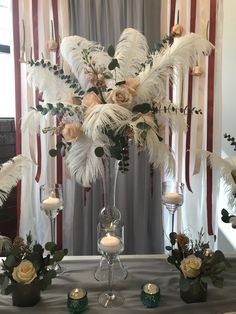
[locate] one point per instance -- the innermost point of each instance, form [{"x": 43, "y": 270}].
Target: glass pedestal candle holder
[
  {"x": 109, "y": 217},
  {"x": 172, "y": 198},
  {"x": 110, "y": 244},
  {"x": 51, "y": 203}
]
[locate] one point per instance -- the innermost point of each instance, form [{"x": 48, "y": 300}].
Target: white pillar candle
[
  {"x": 110, "y": 244},
  {"x": 51, "y": 203},
  {"x": 172, "y": 198}
]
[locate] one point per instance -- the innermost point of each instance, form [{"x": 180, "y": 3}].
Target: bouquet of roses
[
  {"x": 195, "y": 261},
  {"x": 26, "y": 262}
]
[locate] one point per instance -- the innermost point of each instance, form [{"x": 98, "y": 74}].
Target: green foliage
[
  {"x": 143, "y": 108},
  {"x": 99, "y": 151},
  {"x": 35, "y": 253}
]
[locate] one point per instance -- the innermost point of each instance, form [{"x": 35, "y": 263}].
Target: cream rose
[
  {"x": 91, "y": 99},
  {"x": 72, "y": 132},
  {"x": 122, "y": 96},
  {"x": 190, "y": 266},
  {"x": 24, "y": 273}
]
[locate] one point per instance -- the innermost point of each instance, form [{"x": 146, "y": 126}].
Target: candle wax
[
  {"x": 51, "y": 202},
  {"x": 110, "y": 244},
  {"x": 150, "y": 288},
  {"x": 77, "y": 293},
  {"x": 172, "y": 198}
]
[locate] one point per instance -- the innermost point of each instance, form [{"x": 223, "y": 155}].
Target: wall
[{"x": 226, "y": 236}]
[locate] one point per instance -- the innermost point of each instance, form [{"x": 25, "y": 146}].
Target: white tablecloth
[{"x": 80, "y": 273}]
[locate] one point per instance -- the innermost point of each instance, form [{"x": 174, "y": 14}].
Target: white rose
[
  {"x": 24, "y": 273},
  {"x": 190, "y": 266},
  {"x": 122, "y": 96}
]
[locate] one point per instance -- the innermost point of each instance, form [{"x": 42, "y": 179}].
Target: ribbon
[
  {"x": 190, "y": 90},
  {"x": 172, "y": 22},
  {"x": 203, "y": 17},
  {"x": 210, "y": 113}
]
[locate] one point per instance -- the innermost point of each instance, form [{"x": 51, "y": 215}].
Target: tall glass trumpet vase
[
  {"x": 109, "y": 217},
  {"x": 172, "y": 198},
  {"x": 110, "y": 244},
  {"x": 51, "y": 202}
]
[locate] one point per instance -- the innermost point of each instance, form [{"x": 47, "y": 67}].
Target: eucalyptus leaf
[
  {"x": 53, "y": 152},
  {"x": 51, "y": 247},
  {"x": 143, "y": 108},
  {"x": 143, "y": 126},
  {"x": 111, "y": 51},
  {"x": 10, "y": 261},
  {"x": 99, "y": 151}
]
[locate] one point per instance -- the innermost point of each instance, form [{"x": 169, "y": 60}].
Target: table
[{"x": 141, "y": 268}]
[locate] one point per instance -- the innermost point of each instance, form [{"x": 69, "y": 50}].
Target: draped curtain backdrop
[{"x": 138, "y": 192}]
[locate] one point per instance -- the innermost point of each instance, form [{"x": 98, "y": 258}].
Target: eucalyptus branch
[{"x": 230, "y": 139}]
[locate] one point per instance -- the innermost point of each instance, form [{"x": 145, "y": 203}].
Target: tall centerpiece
[{"x": 109, "y": 98}]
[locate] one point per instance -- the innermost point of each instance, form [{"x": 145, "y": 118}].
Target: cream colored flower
[
  {"x": 91, "y": 99},
  {"x": 190, "y": 266},
  {"x": 24, "y": 273},
  {"x": 72, "y": 132},
  {"x": 122, "y": 95},
  {"x": 133, "y": 83}
]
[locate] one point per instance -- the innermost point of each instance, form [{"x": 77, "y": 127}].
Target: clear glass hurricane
[
  {"x": 51, "y": 203},
  {"x": 110, "y": 245},
  {"x": 108, "y": 216},
  {"x": 172, "y": 198}
]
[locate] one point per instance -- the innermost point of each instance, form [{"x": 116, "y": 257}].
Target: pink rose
[{"x": 72, "y": 132}]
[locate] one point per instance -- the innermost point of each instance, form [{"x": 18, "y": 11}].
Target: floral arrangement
[
  {"x": 195, "y": 261},
  {"x": 26, "y": 262},
  {"x": 111, "y": 97}
]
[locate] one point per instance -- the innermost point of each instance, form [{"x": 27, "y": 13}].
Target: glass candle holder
[
  {"x": 77, "y": 300},
  {"x": 172, "y": 197}
]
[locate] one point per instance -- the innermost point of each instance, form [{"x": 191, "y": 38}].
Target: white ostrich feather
[
  {"x": 104, "y": 116},
  {"x": 31, "y": 122},
  {"x": 53, "y": 87},
  {"x": 225, "y": 168},
  {"x": 10, "y": 173},
  {"x": 131, "y": 52},
  {"x": 159, "y": 153},
  {"x": 71, "y": 49},
  {"x": 182, "y": 54},
  {"x": 175, "y": 120},
  {"x": 82, "y": 162}
]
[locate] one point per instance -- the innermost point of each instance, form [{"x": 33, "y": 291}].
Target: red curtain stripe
[
  {"x": 59, "y": 158},
  {"x": 16, "y": 42},
  {"x": 172, "y": 22},
  {"x": 210, "y": 112},
  {"x": 190, "y": 92}
]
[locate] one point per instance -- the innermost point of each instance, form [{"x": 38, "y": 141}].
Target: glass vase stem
[
  {"x": 52, "y": 222},
  {"x": 110, "y": 277}
]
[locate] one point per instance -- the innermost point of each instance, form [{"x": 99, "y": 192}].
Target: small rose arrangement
[
  {"x": 26, "y": 262},
  {"x": 195, "y": 261}
]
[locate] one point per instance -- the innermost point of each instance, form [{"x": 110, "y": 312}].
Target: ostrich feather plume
[
  {"x": 82, "y": 162},
  {"x": 72, "y": 48},
  {"x": 168, "y": 62},
  {"x": 227, "y": 171},
  {"x": 31, "y": 122},
  {"x": 53, "y": 87},
  {"x": 10, "y": 173},
  {"x": 104, "y": 116},
  {"x": 131, "y": 52}
]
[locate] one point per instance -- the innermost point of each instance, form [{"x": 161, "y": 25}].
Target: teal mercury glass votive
[
  {"x": 150, "y": 294},
  {"x": 77, "y": 300}
]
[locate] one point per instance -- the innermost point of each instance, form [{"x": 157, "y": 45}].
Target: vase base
[
  {"x": 119, "y": 271},
  {"x": 110, "y": 299}
]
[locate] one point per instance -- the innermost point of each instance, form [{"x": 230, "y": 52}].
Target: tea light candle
[
  {"x": 51, "y": 203},
  {"x": 77, "y": 300},
  {"x": 172, "y": 198},
  {"x": 150, "y": 294},
  {"x": 110, "y": 244}
]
